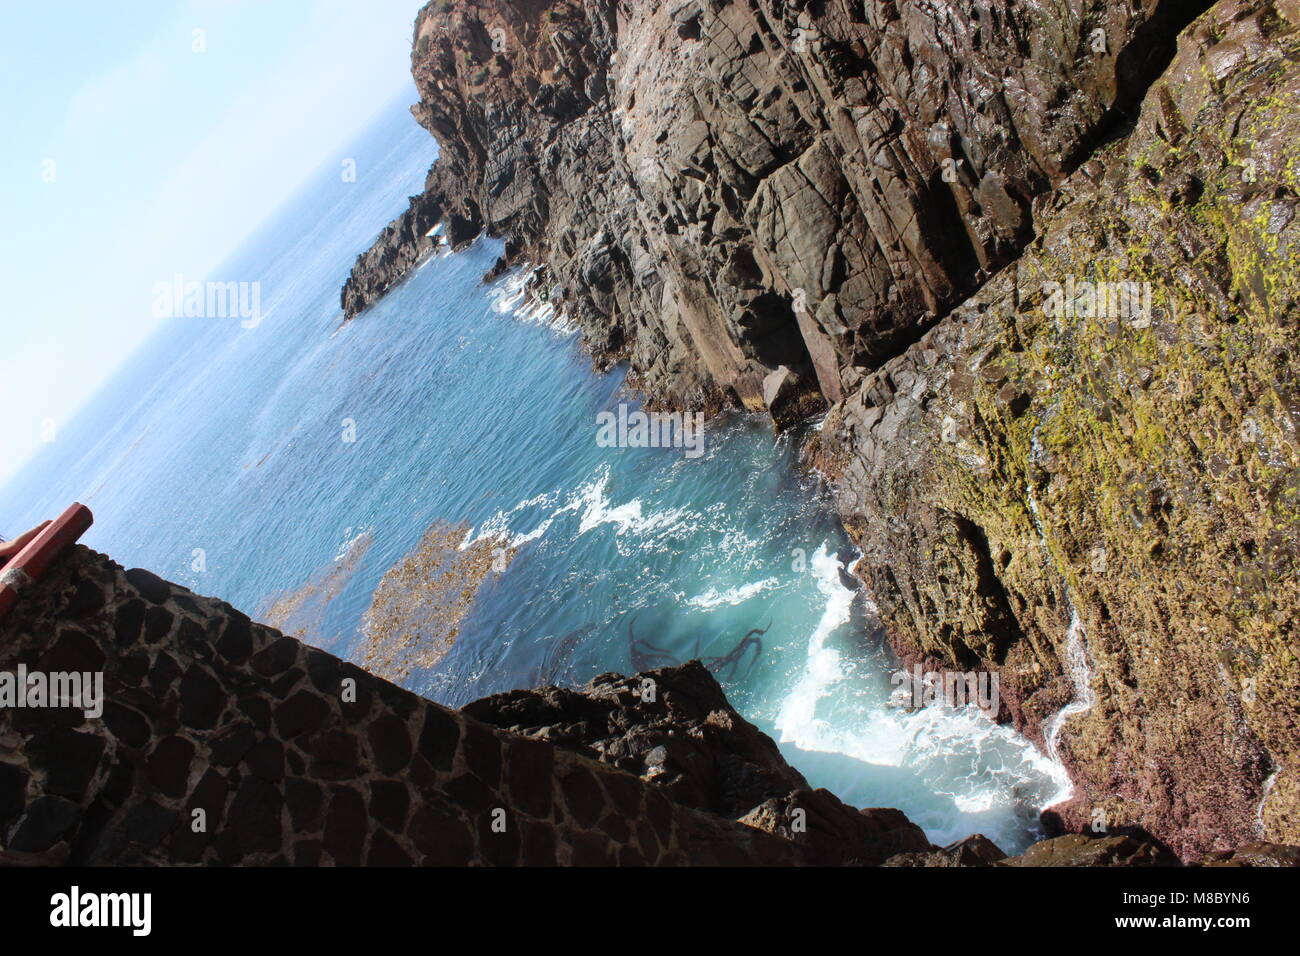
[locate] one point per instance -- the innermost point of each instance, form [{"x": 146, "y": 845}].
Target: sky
[{"x": 144, "y": 139}]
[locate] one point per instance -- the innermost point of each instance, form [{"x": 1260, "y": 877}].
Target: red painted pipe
[{"x": 34, "y": 559}]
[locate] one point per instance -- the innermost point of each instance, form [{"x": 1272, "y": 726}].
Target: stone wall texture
[{"x": 296, "y": 757}]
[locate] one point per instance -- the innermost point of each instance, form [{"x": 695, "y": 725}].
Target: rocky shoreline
[{"x": 930, "y": 220}]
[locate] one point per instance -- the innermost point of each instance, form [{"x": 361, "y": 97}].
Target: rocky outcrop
[
  {"x": 405, "y": 242},
  {"x": 674, "y": 728},
  {"x": 1255, "y": 855},
  {"x": 1037, "y": 260},
  {"x": 1077, "y": 849},
  {"x": 976, "y": 850},
  {"x": 721, "y": 188}
]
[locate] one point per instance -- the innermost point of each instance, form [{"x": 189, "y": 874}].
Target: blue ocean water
[{"x": 247, "y": 463}]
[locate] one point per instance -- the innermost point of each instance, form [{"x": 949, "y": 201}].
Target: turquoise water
[{"x": 218, "y": 459}]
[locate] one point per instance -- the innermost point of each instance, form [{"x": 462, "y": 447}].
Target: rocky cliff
[
  {"x": 1103, "y": 502},
  {"x": 212, "y": 739},
  {"x": 1038, "y": 262}
]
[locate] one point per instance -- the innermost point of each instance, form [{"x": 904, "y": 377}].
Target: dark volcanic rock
[
  {"x": 722, "y": 188},
  {"x": 976, "y": 850},
  {"x": 1080, "y": 850},
  {"x": 838, "y": 834},
  {"x": 1256, "y": 854},
  {"x": 251, "y": 763},
  {"x": 672, "y": 727},
  {"x": 531, "y": 778},
  {"x": 401, "y": 245}
]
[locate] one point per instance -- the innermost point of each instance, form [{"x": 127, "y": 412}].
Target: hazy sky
[{"x": 148, "y": 138}]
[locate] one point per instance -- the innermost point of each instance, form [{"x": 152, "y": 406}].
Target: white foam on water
[
  {"x": 1260, "y": 826},
  {"x": 510, "y": 296},
  {"x": 731, "y": 596},
  {"x": 1077, "y": 669},
  {"x": 591, "y": 502},
  {"x": 629, "y": 517},
  {"x": 736, "y": 542},
  {"x": 1076, "y": 660},
  {"x": 961, "y": 771},
  {"x": 352, "y": 541},
  {"x": 497, "y": 527},
  {"x": 797, "y": 719}
]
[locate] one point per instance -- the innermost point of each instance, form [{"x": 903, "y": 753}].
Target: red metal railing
[{"x": 37, "y": 555}]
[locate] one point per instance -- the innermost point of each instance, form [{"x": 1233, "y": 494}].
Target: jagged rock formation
[
  {"x": 674, "y": 728},
  {"x": 677, "y": 731},
  {"x": 721, "y": 188},
  {"x": 876, "y": 198}
]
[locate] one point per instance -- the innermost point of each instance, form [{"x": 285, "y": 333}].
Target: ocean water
[{"x": 307, "y": 457}]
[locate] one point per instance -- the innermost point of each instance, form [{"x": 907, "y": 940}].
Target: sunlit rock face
[{"x": 722, "y": 188}]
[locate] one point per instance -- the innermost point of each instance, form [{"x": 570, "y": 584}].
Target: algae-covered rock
[{"x": 1086, "y": 475}]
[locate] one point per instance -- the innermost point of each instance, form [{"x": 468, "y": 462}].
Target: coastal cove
[
  {"x": 291, "y": 465},
  {"x": 1039, "y": 295}
]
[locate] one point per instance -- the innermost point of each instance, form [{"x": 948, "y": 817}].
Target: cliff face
[
  {"x": 903, "y": 211},
  {"x": 722, "y": 188},
  {"x": 1105, "y": 505}
]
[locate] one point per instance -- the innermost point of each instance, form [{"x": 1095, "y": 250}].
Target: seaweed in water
[
  {"x": 646, "y": 656},
  {"x": 557, "y": 661},
  {"x": 730, "y": 662}
]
